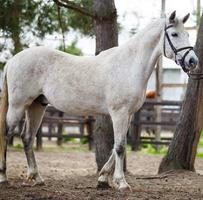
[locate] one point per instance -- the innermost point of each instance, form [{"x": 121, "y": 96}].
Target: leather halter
[{"x": 180, "y": 61}]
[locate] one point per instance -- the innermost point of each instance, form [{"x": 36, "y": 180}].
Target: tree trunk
[
  {"x": 106, "y": 37},
  {"x": 15, "y": 35},
  {"x": 183, "y": 148}
]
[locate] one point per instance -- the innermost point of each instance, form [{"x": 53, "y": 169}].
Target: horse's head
[{"x": 176, "y": 43}]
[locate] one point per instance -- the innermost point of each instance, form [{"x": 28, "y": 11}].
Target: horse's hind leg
[
  {"x": 13, "y": 116},
  {"x": 33, "y": 118}
]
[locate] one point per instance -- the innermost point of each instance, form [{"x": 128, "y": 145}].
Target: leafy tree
[
  {"x": 72, "y": 49},
  {"x": 37, "y": 18}
]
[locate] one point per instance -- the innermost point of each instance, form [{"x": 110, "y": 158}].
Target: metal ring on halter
[{"x": 182, "y": 60}]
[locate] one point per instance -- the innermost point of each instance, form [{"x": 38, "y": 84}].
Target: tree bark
[
  {"x": 182, "y": 150},
  {"x": 106, "y": 37},
  {"x": 15, "y": 35}
]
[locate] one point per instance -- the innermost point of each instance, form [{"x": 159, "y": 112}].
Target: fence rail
[{"x": 144, "y": 121}]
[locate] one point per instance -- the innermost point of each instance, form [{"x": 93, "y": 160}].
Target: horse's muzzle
[
  {"x": 190, "y": 64},
  {"x": 193, "y": 62}
]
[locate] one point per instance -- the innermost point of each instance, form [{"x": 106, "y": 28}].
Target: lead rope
[{"x": 195, "y": 76}]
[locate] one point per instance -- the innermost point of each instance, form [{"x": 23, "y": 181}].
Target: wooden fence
[
  {"x": 56, "y": 121},
  {"x": 144, "y": 121}
]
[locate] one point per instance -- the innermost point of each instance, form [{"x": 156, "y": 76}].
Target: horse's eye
[{"x": 174, "y": 34}]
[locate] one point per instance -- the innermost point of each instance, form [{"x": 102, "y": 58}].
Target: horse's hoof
[
  {"x": 103, "y": 185},
  {"x": 33, "y": 183},
  {"x": 125, "y": 188},
  {"x": 121, "y": 185},
  {"x": 4, "y": 183},
  {"x": 41, "y": 183},
  {"x": 34, "y": 180},
  {"x": 3, "y": 179},
  {"x": 103, "y": 182}
]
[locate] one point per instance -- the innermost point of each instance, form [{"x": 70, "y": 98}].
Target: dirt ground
[{"x": 73, "y": 176}]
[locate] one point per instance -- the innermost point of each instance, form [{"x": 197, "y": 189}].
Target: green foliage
[
  {"x": 80, "y": 22},
  {"x": 150, "y": 149},
  {"x": 84, "y": 140},
  {"x": 18, "y": 146},
  {"x": 2, "y": 64},
  {"x": 66, "y": 148},
  {"x": 70, "y": 139},
  {"x": 37, "y": 18},
  {"x": 200, "y": 142},
  {"x": 199, "y": 155},
  {"x": 72, "y": 49}
]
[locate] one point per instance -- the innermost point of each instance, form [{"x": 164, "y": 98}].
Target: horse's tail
[{"x": 3, "y": 113}]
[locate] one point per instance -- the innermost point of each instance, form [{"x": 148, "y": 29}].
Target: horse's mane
[
  {"x": 150, "y": 28},
  {"x": 143, "y": 35}
]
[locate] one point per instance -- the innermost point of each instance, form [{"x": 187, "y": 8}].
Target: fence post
[
  {"x": 60, "y": 130},
  {"x": 50, "y": 126},
  {"x": 90, "y": 131},
  {"x": 39, "y": 139},
  {"x": 11, "y": 141},
  {"x": 81, "y": 127},
  {"x": 135, "y": 131}
]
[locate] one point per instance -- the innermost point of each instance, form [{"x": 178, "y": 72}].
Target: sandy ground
[{"x": 73, "y": 176}]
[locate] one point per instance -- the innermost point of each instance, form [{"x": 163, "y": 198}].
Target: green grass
[
  {"x": 200, "y": 142},
  {"x": 74, "y": 145},
  {"x": 66, "y": 148},
  {"x": 151, "y": 150},
  {"x": 199, "y": 155}
]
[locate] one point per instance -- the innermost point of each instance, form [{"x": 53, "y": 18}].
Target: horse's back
[{"x": 64, "y": 79}]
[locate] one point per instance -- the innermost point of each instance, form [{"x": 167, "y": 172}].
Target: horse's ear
[
  {"x": 185, "y": 18},
  {"x": 172, "y": 17}
]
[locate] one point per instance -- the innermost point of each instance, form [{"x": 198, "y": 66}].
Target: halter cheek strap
[{"x": 182, "y": 60}]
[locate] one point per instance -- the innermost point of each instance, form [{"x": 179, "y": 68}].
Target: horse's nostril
[{"x": 193, "y": 61}]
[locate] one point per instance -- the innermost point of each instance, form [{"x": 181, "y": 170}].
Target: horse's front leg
[{"x": 121, "y": 120}]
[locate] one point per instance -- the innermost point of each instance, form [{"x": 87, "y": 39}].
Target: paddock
[{"x": 72, "y": 175}]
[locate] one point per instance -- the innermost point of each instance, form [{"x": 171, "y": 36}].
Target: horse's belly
[
  {"x": 74, "y": 108},
  {"x": 75, "y": 103}
]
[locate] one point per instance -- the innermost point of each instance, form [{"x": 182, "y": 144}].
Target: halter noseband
[{"x": 182, "y": 60}]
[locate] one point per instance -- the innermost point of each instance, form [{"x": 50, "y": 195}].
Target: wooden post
[
  {"x": 11, "y": 140},
  {"x": 159, "y": 74},
  {"x": 39, "y": 139},
  {"x": 90, "y": 131},
  {"x": 159, "y": 82},
  {"x": 50, "y": 127},
  {"x": 60, "y": 130},
  {"x": 81, "y": 125},
  {"x": 198, "y": 13},
  {"x": 135, "y": 131}
]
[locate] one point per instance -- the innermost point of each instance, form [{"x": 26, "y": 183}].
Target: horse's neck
[{"x": 145, "y": 48}]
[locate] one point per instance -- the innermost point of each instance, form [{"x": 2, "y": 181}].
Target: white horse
[{"x": 113, "y": 83}]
